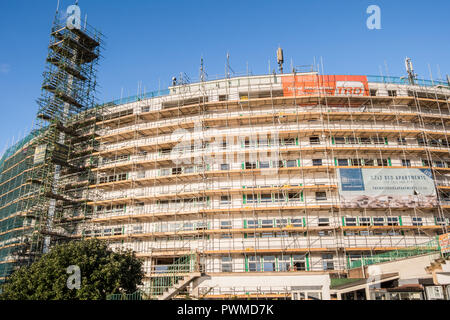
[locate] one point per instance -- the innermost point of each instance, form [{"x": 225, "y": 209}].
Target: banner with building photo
[
  {"x": 444, "y": 243},
  {"x": 384, "y": 188}
]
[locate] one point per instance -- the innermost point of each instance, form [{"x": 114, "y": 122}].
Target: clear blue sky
[{"x": 151, "y": 41}]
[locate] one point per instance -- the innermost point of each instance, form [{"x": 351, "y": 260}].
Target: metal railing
[
  {"x": 162, "y": 279},
  {"x": 428, "y": 247}
]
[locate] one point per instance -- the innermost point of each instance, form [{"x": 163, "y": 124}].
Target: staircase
[
  {"x": 180, "y": 285},
  {"x": 167, "y": 283}
]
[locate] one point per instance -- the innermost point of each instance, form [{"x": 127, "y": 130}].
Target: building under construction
[{"x": 269, "y": 186}]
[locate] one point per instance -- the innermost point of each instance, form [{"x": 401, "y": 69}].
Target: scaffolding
[
  {"x": 45, "y": 177},
  {"x": 177, "y": 172}
]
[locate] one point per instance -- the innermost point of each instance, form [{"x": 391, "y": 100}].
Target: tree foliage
[{"x": 102, "y": 271}]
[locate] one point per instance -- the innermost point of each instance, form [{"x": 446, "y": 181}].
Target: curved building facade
[{"x": 283, "y": 175}]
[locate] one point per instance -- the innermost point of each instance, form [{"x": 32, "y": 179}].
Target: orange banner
[{"x": 331, "y": 85}]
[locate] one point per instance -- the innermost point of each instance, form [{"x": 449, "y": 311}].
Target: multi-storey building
[
  {"x": 257, "y": 186},
  {"x": 271, "y": 175}
]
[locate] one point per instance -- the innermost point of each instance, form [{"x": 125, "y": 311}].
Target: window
[
  {"x": 289, "y": 141},
  {"x": 294, "y": 196},
  {"x": 225, "y": 224},
  {"x": 263, "y": 142},
  {"x": 227, "y": 264},
  {"x": 291, "y": 163},
  {"x": 327, "y": 260},
  {"x": 165, "y": 172},
  {"x": 417, "y": 221},
  {"x": 189, "y": 170},
  {"x": 364, "y": 221},
  {"x": 177, "y": 170},
  {"x": 138, "y": 229},
  {"x": 324, "y": 222},
  {"x": 250, "y": 165},
  {"x": 373, "y": 92},
  {"x": 392, "y": 93},
  {"x": 368, "y": 162},
  {"x": 254, "y": 264},
  {"x": 281, "y": 223},
  {"x": 278, "y": 164},
  {"x": 269, "y": 263},
  {"x": 298, "y": 263},
  {"x": 339, "y": 140},
  {"x": 356, "y": 162},
  {"x": 352, "y": 140},
  {"x": 252, "y": 198},
  {"x": 264, "y": 164},
  {"x": 223, "y": 97},
  {"x": 378, "y": 140},
  {"x": 279, "y": 197},
  {"x": 117, "y": 231},
  {"x": 439, "y": 164},
  {"x": 284, "y": 263},
  {"x": 321, "y": 196},
  {"x": 268, "y": 223},
  {"x": 188, "y": 226},
  {"x": 440, "y": 221},
  {"x": 224, "y": 166},
  {"x": 406, "y": 162},
  {"x": 297, "y": 223},
  {"x": 382, "y": 162},
  {"x": 434, "y": 142},
  {"x": 225, "y": 199},
  {"x": 343, "y": 162},
  {"x": 378, "y": 221},
  {"x": 252, "y": 224},
  {"x": 365, "y": 140},
  {"x": 392, "y": 221},
  {"x": 314, "y": 140},
  {"x": 317, "y": 162},
  {"x": 266, "y": 197},
  {"x": 401, "y": 141},
  {"x": 351, "y": 222}
]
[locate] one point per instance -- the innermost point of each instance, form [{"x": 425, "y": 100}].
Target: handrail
[
  {"x": 428, "y": 247},
  {"x": 164, "y": 279}
]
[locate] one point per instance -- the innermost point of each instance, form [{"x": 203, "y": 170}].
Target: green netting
[
  {"x": 428, "y": 247},
  {"x": 397, "y": 80}
]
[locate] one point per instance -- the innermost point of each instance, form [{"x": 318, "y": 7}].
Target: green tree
[{"x": 102, "y": 272}]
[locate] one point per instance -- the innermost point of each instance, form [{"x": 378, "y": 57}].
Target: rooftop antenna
[
  {"x": 280, "y": 59},
  {"x": 85, "y": 22},
  {"x": 203, "y": 73},
  {"x": 448, "y": 80},
  {"x": 410, "y": 70},
  {"x": 228, "y": 66}
]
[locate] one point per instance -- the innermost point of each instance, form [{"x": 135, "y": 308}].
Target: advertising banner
[
  {"x": 39, "y": 153},
  {"x": 444, "y": 243},
  {"x": 384, "y": 188},
  {"x": 331, "y": 85}
]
